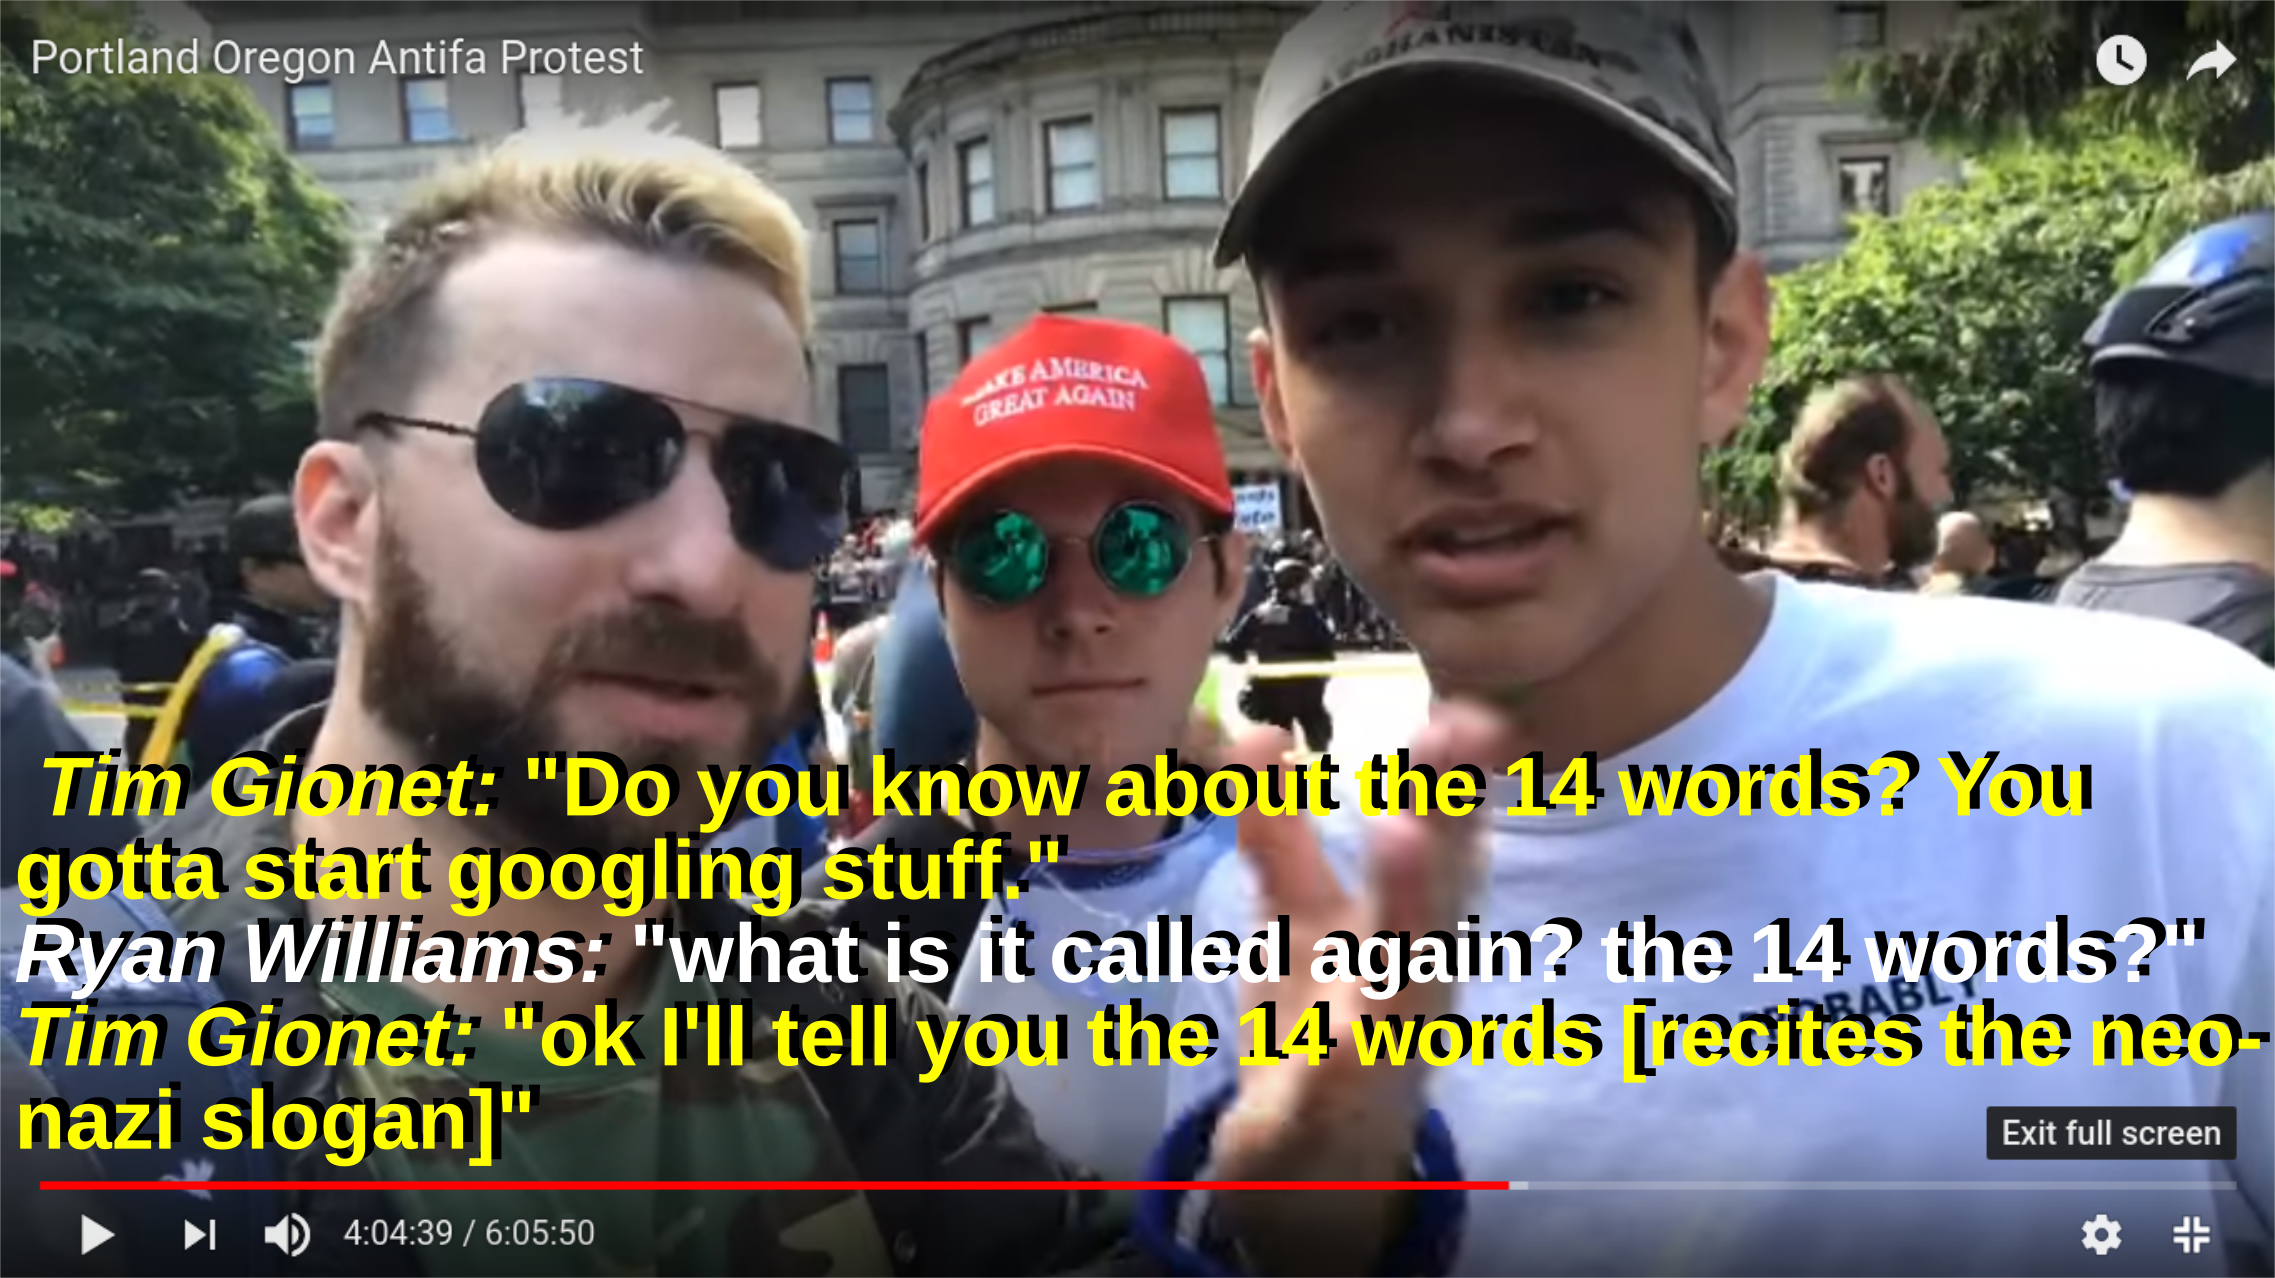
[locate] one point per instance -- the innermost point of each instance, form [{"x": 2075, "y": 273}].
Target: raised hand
[{"x": 1336, "y": 1119}]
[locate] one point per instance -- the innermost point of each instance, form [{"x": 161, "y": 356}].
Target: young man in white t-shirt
[
  {"x": 1495, "y": 245},
  {"x": 1072, "y": 489}
]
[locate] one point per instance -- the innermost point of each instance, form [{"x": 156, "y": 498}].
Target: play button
[
  {"x": 191, "y": 1235},
  {"x": 92, "y": 1235}
]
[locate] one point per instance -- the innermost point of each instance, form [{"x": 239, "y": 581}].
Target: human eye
[
  {"x": 1573, "y": 298},
  {"x": 1353, "y": 326},
  {"x": 1357, "y": 326}
]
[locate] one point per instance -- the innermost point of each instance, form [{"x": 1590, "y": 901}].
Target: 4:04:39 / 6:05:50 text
[{"x": 562, "y": 1232}]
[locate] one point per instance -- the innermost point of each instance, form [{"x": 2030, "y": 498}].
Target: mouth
[
  {"x": 672, "y": 707},
  {"x": 680, "y": 685},
  {"x": 1481, "y": 555},
  {"x": 1088, "y": 687}
]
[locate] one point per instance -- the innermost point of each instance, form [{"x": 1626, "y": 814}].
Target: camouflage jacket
[{"x": 820, "y": 1124}]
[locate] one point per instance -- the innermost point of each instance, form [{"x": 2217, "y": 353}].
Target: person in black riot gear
[{"x": 1287, "y": 626}]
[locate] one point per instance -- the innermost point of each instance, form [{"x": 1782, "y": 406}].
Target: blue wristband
[{"x": 1426, "y": 1249}]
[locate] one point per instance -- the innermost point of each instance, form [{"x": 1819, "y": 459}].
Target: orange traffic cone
[{"x": 825, "y": 644}]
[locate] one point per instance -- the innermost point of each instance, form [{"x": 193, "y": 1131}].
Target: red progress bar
[{"x": 854, "y": 1186}]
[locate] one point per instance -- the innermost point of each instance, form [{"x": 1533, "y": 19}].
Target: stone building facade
[{"x": 966, "y": 166}]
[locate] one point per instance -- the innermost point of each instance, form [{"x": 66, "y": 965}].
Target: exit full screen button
[{"x": 2071, "y": 1132}]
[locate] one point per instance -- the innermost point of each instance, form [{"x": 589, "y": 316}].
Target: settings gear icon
[{"x": 2101, "y": 1234}]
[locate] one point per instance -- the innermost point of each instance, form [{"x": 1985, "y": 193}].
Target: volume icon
[{"x": 290, "y": 1234}]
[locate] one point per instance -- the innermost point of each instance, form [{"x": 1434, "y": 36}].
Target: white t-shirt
[
  {"x": 2179, "y": 728},
  {"x": 1106, "y": 1118}
]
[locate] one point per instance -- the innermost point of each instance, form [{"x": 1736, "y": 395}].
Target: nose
[
  {"x": 686, "y": 553},
  {"x": 1076, "y": 603},
  {"x": 1481, "y": 412},
  {"x": 1939, "y": 492}
]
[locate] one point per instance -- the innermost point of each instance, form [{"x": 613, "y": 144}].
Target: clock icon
[{"x": 2122, "y": 60}]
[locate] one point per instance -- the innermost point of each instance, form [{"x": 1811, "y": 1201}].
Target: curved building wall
[{"x": 1110, "y": 143}]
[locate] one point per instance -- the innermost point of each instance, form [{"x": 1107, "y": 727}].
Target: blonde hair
[{"x": 621, "y": 184}]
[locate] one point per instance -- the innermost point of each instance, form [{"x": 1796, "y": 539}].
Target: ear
[
  {"x": 1234, "y": 548},
  {"x": 1737, "y": 344},
  {"x": 938, "y": 576},
  {"x": 1882, "y": 476},
  {"x": 1263, "y": 368},
  {"x": 335, "y": 500}
]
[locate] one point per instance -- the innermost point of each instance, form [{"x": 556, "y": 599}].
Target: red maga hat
[{"x": 1068, "y": 387}]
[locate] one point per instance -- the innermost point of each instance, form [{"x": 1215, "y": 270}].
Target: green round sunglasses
[{"x": 1140, "y": 549}]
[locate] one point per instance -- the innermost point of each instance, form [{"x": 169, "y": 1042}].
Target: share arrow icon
[{"x": 2219, "y": 60}]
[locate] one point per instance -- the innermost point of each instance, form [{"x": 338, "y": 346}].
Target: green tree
[
  {"x": 161, "y": 256},
  {"x": 2191, "y": 206},
  {"x": 2028, "y": 71},
  {"x": 1976, "y": 294}
]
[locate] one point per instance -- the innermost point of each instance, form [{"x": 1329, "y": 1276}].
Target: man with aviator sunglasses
[
  {"x": 1073, "y": 497},
  {"x": 569, "y": 494}
]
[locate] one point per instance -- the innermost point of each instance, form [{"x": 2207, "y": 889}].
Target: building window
[
  {"x": 1070, "y": 150},
  {"x": 540, "y": 98},
  {"x": 1204, "y": 326},
  {"x": 923, "y": 203},
  {"x": 852, "y": 110},
  {"x": 1864, "y": 186},
  {"x": 923, "y": 367},
  {"x": 1860, "y": 26},
  {"x": 426, "y": 110},
  {"x": 865, "y": 408},
  {"x": 973, "y": 337},
  {"x": 1190, "y": 147},
  {"x": 975, "y": 168},
  {"x": 1072, "y": 308},
  {"x": 860, "y": 256},
  {"x": 740, "y": 121},
  {"x": 309, "y": 108}
]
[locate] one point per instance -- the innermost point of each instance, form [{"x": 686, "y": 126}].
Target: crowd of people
[
  {"x": 74, "y": 589},
  {"x": 1835, "y": 526},
  {"x": 862, "y": 573},
  {"x": 1504, "y": 322},
  {"x": 241, "y": 658}
]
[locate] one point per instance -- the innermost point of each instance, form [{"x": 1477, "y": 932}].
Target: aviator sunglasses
[
  {"x": 1139, "y": 549},
  {"x": 565, "y": 453}
]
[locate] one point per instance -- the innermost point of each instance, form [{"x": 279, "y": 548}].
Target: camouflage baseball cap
[{"x": 1635, "y": 65}]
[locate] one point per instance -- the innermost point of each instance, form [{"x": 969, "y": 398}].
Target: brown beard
[
  {"x": 420, "y": 688},
  {"x": 1911, "y": 526}
]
